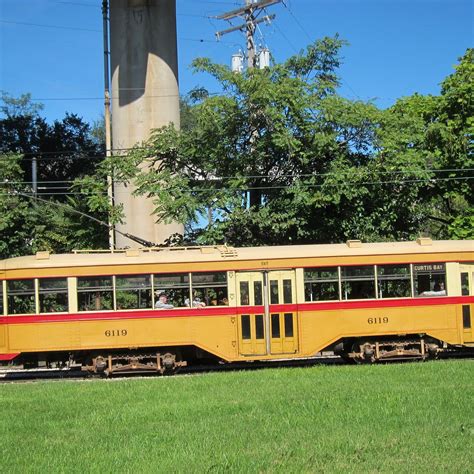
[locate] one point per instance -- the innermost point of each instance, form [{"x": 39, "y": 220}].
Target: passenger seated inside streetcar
[
  {"x": 197, "y": 303},
  {"x": 162, "y": 301},
  {"x": 438, "y": 290}
]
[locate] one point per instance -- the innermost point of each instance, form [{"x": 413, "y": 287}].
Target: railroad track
[
  {"x": 30, "y": 375},
  {"x": 19, "y": 375}
]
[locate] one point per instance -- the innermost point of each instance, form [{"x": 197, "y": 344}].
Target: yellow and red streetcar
[{"x": 159, "y": 309}]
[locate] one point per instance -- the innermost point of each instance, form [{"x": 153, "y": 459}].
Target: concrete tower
[{"x": 144, "y": 95}]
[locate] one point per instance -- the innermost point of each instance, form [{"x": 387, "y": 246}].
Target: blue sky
[{"x": 53, "y": 48}]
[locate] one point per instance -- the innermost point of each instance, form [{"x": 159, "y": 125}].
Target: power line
[
  {"x": 311, "y": 40},
  {"x": 36, "y": 99},
  {"x": 132, "y": 237},
  {"x": 217, "y": 3},
  {"x": 95, "y": 5},
  {"x": 297, "y": 22},
  {"x": 285, "y": 37},
  {"x": 269, "y": 188},
  {"x": 82, "y": 4},
  {"x": 24, "y": 23},
  {"x": 90, "y": 30},
  {"x": 297, "y": 175}
]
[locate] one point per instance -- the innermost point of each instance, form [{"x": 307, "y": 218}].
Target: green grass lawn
[{"x": 415, "y": 417}]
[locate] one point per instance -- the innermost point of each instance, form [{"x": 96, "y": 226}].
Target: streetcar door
[
  {"x": 467, "y": 289},
  {"x": 250, "y": 300},
  {"x": 282, "y": 309},
  {"x": 267, "y": 313}
]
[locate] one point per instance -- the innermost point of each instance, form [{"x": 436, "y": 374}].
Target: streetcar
[{"x": 159, "y": 309}]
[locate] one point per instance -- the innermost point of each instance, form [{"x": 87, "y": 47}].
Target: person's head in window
[{"x": 162, "y": 301}]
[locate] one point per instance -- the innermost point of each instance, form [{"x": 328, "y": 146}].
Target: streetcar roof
[{"x": 224, "y": 253}]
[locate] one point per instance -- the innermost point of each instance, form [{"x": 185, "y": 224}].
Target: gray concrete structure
[{"x": 144, "y": 95}]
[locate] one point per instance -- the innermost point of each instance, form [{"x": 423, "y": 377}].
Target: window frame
[
  {"x": 336, "y": 279},
  {"x": 34, "y": 294},
  {"x": 380, "y": 278},
  {"x": 432, "y": 273},
  {"x": 207, "y": 286},
  {"x": 358, "y": 278},
  {"x": 133, "y": 288},
  {"x": 98, "y": 278},
  {"x": 66, "y": 292}
]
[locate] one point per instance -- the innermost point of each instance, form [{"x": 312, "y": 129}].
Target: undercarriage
[{"x": 397, "y": 348}]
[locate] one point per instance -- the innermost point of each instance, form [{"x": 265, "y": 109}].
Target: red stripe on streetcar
[
  {"x": 115, "y": 315},
  {"x": 232, "y": 311},
  {"x": 370, "y": 304},
  {"x": 8, "y": 356}
]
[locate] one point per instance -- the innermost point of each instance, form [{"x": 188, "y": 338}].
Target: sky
[{"x": 53, "y": 49}]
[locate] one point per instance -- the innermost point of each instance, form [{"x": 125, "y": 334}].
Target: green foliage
[
  {"x": 280, "y": 158},
  {"x": 436, "y": 133},
  {"x": 65, "y": 151},
  {"x": 13, "y": 208},
  {"x": 462, "y": 227},
  {"x": 22, "y": 106}
]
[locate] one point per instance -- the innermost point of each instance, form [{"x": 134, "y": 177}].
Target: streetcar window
[
  {"x": 21, "y": 296},
  {"x": 259, "y": 332},
  {"x": 430, "y": 279},
  {"x": 465, "y": 284},
  {"x": 1, "y": 298},
  {"x": 176, "y": 287},
  {"x": 210, "y": 288},
  {"x": 394, "y": 281},
  {"x": 288, "y": 324},
  {"x": 466, "y": 317},
  {"x": 133, "y": 291},
  {"x": 275, "y": 326},
  {"x": 358, "y": 282},
  {"x": 245, "y": 322},
  {"x": 53, "y": 296},
  {"x": 244, "y": 293},
  {"x": 95, "y": 293},
  {"x": 258, "y": 293},
  {"x": 274, "y": 294},
  {"x": 321, "y": 284},
  {"x": 287, "y": 292}
]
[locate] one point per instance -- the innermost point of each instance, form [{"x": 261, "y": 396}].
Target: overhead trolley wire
[
  {"x": 312, "y": 39},
  {"x": 267, "y": 188},
  {"x": 310, "y": 175}
]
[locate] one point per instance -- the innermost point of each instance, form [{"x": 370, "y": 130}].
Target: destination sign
[{"x": 432, "y": 267}]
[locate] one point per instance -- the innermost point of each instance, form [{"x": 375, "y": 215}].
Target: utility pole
[
  {"x": 250, "y": 13},
  {"x": 108, "y": 134}
]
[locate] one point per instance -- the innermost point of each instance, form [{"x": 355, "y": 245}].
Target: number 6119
[{"x": 383, "y": 320}]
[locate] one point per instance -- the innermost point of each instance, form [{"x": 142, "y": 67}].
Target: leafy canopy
[{"x": 279, "y": 157}]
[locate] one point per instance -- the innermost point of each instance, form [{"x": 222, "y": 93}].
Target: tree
[
  {"x": 437, "y": 132},
  {"x": 65, "y": 151},
  {"x": 22, "y": 106},
  {"x": 451, "y": 139},
  {"x": 13, "y": 208},
  {"x": 29, "y": 224},
  {"x": 279, "y": 157}
]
